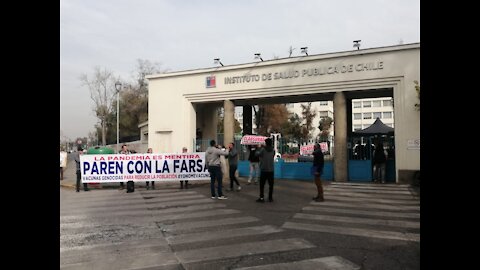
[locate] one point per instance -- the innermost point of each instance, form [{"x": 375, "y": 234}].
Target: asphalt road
[{"x": 359, "y": 226}]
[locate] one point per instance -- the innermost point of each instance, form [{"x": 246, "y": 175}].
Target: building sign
[
  {"x": 413, "y": 144},
  {"x": 143, "y": 167},
  {"x": 211, "y": 83},
  {"x": 301, "y": 73}
]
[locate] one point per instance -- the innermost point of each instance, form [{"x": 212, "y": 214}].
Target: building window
[
  {"x": 366, "y": 126},
  {"x": 357, "y": 104},
  {"x": 367, "y": 116},
  {"x": 367, "y": 104},
  {"x": 389, "y": 125},
  {"x": 323, "y": 114},
  {"x": 377, "y": 103},
  {"x": 377, "y": 115},
  {"x": 387, "y": 115},
  {"x": 387, "y": 103},
  {"x": 323, "y": 103},
  {"x": 357, "y": 127},
  {"x": 357, "y": 116}
]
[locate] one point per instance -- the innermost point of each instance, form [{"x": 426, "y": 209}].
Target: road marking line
[
  {"x": 214, "y": 235},
  {"x": 353, "y": 231},
  {"x": 361, "y": 212},
  {"x": 242, "y": 249},
  {"x": 324, "y": 263},
  {"x": 370, "y": 221}
]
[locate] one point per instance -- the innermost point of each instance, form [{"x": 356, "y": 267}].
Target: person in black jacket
[
  {"x": 379, "y": 163},
  {"x": 232, "y": 162},
  {"x": 266, "y": 156},
  {"x": 77, "y": 161},
  {"x": 317, "y": 170},
  {"x": 150, "y": 151},
  {"x": 184, "y": 150}
]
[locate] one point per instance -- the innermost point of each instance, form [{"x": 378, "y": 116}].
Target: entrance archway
[{"x": 177, "y": 100}]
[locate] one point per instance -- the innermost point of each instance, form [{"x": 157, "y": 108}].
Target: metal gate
[
  {"x": 360, "y": 158},
  {"x": 360, "y": 166}
]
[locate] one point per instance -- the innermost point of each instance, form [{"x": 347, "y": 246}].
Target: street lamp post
[{"x": 118, "y": 86}]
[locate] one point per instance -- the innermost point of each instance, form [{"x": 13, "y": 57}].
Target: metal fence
[{"x": 289, "y": 149}]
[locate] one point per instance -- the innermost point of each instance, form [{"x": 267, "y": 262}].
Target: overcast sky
[{"x": 189, "y": 34}]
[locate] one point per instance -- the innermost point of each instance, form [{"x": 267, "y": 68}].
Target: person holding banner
[
  {"x": 317, "y": 170},
  {"x": 130, "y": 184},
  {"x": 79, "y": 175},
  {"x": 212, "y": 157},
  {"x": 184, "y": 150},
  {"x": 266, "y": 156},
  {"x": 63, "y": 162},
  {"x": 254, "y": 165},
  {"x": 149, "y": 151}
]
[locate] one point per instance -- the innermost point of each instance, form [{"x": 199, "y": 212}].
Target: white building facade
[
  {"x": 366, "y": 111},
  {"x": 323, "y": 109}
]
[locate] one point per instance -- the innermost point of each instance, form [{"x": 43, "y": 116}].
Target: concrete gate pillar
[
  {"x": 340, "y": 169},
  {"x": 209, "y": 122},
  {"x": 228, "y": 122},
  {"x": 228, "y": 131}
]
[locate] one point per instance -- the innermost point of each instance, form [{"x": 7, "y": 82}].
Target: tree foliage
[
  {"x": 270, "y": 118},
  {"x": 307, "y": 115},
  {"x": 292, "y": 129},
  {"x": 133, "y": 105},
  {"x": 417, "y": 88},
  {"x": 134, "y": 98},
  {"x": 324, "y": 125}
]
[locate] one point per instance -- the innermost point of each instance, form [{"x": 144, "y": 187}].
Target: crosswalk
[
  {"x": 174, "y": 229},
  {"x": 362, "y": 210}
]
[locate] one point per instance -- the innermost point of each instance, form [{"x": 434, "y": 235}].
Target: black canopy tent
[{"x": 377, "y": 128}]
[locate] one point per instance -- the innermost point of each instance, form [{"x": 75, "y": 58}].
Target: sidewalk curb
[{"x": 67, "y": 185}]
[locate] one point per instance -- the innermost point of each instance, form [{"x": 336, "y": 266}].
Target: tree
[
  {"x": 324, "y": 125},
  {"x": 270, "y": 118},
  {"x": 417, "y": 88},
  {"x": 307, "y": 115},
  {"x": 133, "y": 103},
  {"x": 92, "y": 138},
  {"x": 134, "y": 99},
  {"x": 102, "y": 92},
  {"x": 292, "y": 129},
  {"x": 64, "y": 141},
  {"x": 144, "y": 68}
]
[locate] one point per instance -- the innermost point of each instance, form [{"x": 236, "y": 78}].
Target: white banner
[
  {"x": 324, "y": 147},
  {"x": 253, "y": 140},
  {"x": 308, "y": 149},
  {"x": 63, "y": 159},
  {"x": 143, "y": 167}
]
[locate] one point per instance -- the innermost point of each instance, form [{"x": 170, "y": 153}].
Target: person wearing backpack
[{"x": 379, "y": 163}]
